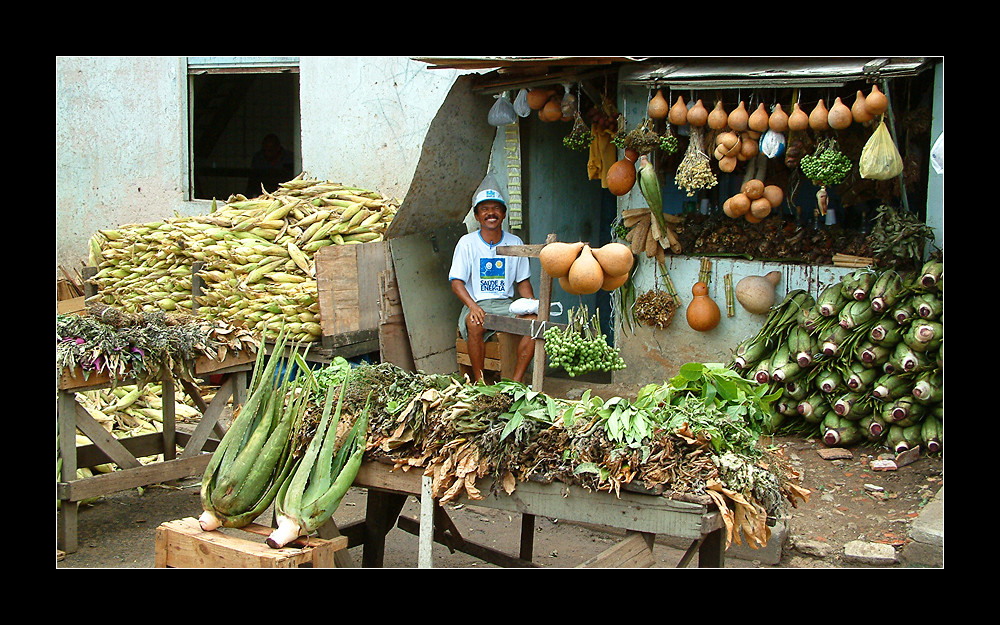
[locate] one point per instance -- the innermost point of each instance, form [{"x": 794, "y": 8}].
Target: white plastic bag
[
  {"x": 521, "y": 106},
  {"x": 880, "y": 160},
  {"x": 528, "y": 306},
  {"x": 502, "y": 112},
  {"x": 772, "y": 144}
]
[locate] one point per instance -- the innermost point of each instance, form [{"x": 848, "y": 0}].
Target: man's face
[{"x": 490, "y": 214}]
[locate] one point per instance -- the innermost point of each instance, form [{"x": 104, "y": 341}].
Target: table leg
[
  {"x": 527, "y": 536},
  {"x": 66, "y": 526},
  {"x": 381, "y": 512},
  {"x": 712, "y": 553}
]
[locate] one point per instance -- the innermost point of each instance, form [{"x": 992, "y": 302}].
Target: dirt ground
[{"x": 849, "y": 502}]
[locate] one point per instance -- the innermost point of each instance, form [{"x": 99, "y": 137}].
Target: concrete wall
[
  {"x": 122, "y": 141},
  {"x": 120, "y": 146}
]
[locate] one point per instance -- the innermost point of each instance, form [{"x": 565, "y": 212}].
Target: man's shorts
[{"x": 492, "y": 307}]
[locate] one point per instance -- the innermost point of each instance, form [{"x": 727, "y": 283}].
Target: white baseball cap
[{"x": 488, "y": 194}]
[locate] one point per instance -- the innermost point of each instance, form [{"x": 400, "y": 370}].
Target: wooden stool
[{"x": 500, "y": 356}]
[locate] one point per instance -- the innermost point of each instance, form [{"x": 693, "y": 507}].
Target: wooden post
[{"x": 544, "y": 303}]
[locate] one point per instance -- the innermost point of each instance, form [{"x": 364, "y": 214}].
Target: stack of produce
[
  {"x": 256, "y": 256},
  {"x": 861, "y": 362},
  {"x": 275, "y": 452},
  {"x": 695, "y": 437}
]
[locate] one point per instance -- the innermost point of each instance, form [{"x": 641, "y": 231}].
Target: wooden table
[
  {"x": 641, "y": 516},
  {"x": 125, "y": 452}
]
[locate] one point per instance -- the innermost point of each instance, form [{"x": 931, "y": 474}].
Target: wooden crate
[
  {"x": 183, "y": 544},
  {"x": 347, "y": 282},
  {"x": 499, "y": 356}
]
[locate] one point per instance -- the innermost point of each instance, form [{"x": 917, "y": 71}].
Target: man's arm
[{"x": 524, "y": 289}]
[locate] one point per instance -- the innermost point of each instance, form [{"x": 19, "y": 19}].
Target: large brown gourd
[
  {"x": 557, "y": 257},
  {"x": 585, "y": 275}
]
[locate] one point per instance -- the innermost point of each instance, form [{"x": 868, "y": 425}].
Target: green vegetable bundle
[
  {"x": 827, "y": 165},
  {"x": 863, "y": 361},
  {"x": 581, "y": 347}
]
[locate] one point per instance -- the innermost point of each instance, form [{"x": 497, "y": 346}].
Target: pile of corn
[
  {"x": 126, "y": 411},
  {"x": 256, "y": 255}
]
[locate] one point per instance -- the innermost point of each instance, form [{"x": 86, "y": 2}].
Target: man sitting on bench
[{"x": 487, "y": 283}]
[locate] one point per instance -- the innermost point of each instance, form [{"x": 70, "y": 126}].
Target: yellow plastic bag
[{"x": 880, "y": 160}]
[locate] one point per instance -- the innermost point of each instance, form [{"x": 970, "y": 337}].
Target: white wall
[{"x": 122, "y": 140}]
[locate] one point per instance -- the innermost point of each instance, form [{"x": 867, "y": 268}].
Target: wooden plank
[
  {"x": 524, "y": 327},
  {"x": 430, "y": 307},
  {"x": 635, "y": 551},
  {"x": 394, "y": 344},
  {"x": 531, "y": 250},
  {"x": 544, "y": 304},
  {"x": 629, "y": 511},
  {"x": 155, "y": 473},
  {"x": 183, "y": 544},
  {"x": 492, "y": 347},
  {"x": 209, "y": 419},
  {"x": 104, "y": 440}
]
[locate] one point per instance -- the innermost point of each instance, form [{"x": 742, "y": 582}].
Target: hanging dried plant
[
  {"x": 643, "y": 139},
  {"x": 655, "y": 308}
]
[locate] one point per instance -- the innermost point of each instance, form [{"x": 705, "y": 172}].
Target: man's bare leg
[{"x": 476, "y": 348}]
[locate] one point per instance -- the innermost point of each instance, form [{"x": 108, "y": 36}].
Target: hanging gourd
[
  {"x": 758, "y": 120},
  {"x": 859, "y": 110},
  {"x": 697, "y": 115},
  {"x": 678, "y": 113},
  {"x": 778, "y": 121},
  {"x": 658, "y": 107},
  {"x": 621, "y": 175},
  {"x": 876, "y": 102},
  {"x": 703, "y": 313},
  {"x": 557, "y": 257},
  {"x": 552, "y": 111},
  {"x": 538, "y": 97},
  {"x": 739, "y": 117},
  {"x": 585, "y": 274},
  {"x": 798, "y": 119},
  {"x": 839, "y": 117},
  {"x": 718, "y": 119},
  {"x": 819, "y": 118}
]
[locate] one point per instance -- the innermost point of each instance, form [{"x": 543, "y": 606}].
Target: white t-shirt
[{"x": 485, "y": 274}]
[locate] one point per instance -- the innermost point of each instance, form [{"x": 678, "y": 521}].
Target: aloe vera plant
[
  {"x": 321, "y": 477},
  {"x": 254, "y": 457}
]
